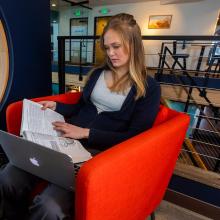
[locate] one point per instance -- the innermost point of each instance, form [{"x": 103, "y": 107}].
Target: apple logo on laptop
[{"x": 34, "y": 161}]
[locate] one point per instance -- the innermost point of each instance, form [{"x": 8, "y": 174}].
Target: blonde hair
[{"x": 130, "y": 33}]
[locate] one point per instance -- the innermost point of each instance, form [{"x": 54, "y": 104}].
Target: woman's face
[{"x": 115, "y": 49}]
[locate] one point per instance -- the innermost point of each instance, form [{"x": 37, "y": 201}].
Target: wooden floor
[{"x": 169, "y": 211}]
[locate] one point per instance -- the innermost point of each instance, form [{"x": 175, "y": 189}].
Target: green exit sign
[
  {"x": 104, "y": 11},
  {"x": 77, "y": 13}
]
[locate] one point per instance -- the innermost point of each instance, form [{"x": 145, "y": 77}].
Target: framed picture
[{"x": 159, "y": 21}]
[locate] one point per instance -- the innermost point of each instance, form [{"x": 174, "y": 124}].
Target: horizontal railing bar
[
  {"x": 154, "y": 37},
  {"x": 173, "y": 98},
  {"x": 202, "y": 142},
  {"x": 215, "y": 158},
  {"x": 203, "y": 116},
  {"x": 189, "y": 86},
  {"x": 181, "y": 70},
  {"x": 202, "y": 129},
  {"x": 191, "y": 43},
  {"x": 169, "y": 55}
]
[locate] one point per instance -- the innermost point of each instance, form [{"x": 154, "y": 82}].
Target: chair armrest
[
  {"x": 128, "y": 180},
  {"x": 14, "y": 110}
]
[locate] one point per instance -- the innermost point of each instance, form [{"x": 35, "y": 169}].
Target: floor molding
[{"x": 192, "y": 204}]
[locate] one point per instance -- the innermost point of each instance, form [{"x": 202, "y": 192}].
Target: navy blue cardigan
[{"x": 110, "y": 128}]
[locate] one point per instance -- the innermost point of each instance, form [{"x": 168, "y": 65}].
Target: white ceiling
[
  {"x": 114, "y": 2},
  {"x": 93, "y": 3}
]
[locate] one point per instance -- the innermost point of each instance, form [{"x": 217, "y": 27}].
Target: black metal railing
[{"x": 171, "y": 69}]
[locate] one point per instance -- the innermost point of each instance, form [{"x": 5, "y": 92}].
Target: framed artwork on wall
[{"x": 159, "y": 21}]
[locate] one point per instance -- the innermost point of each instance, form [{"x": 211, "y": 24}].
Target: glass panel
[{"x": 78, "y": 48}]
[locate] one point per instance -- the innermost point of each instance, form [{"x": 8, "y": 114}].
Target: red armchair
[{"x": 127, "y": 181}]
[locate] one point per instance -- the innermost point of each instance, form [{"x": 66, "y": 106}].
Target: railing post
[
  {"x": 159, "y": 71},
  {"x": 61, "y": 64},
  {"x": 80, "y": 62},
  {"x": 188, "y": 99},
  {"x": 200, "y": 59}
]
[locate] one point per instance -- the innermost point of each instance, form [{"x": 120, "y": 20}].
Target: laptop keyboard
[{"x": 77, "y": 166}]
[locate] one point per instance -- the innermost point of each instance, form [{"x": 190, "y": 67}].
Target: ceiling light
[{"x": 53, "y": 5}]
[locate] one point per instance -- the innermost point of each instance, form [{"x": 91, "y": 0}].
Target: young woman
[{"x": 118, "y": 102}]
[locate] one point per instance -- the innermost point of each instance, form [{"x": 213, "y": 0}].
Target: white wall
[
  {"x": 198, "y": 18},
  {"x": 66, "y": 14}
]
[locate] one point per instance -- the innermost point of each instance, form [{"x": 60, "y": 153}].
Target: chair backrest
[{"x": 128, "y": 181}]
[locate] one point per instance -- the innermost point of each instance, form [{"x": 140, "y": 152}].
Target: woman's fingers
[
  {"x": 44, "y": 106},
  {"x": 62, "y": 126},
  {"x": 67, "y": 135},
  {"x": 71, "y": 131},
  {"x": 48, "y": 104},
  {"x": 62, "y": 129}
]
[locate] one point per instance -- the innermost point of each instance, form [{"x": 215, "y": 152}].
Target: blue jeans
[{"x": 54, "y": 203}]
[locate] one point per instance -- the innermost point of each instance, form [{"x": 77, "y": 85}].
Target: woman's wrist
[
  {"x": 86, "y": 132},
  {"x": 55, "y": 106}
]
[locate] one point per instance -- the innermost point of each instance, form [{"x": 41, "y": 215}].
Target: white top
[{"x": 104, "y": 99}]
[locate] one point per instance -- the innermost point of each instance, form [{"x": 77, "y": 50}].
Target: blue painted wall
[{"x": 27, "y": 25}]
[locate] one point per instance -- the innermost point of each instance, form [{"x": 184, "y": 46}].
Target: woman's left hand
[{"x": 71, "y": 131}]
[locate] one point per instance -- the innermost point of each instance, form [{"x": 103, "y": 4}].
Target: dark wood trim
[
  {"x": 78, "y": 3},
  {"x": 159, "y": 37},
  {"x": 192, "y": 204}
]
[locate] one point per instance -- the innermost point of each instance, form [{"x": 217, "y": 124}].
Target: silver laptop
[{"x": 43, "y": 162}]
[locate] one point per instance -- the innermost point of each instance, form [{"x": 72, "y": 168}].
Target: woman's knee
[
  {"x": 14, "y": 181},
  {"x": 47, "y": 208},
  {"x": 7, "y": 178},
  {"x": 53, "y": 203}
]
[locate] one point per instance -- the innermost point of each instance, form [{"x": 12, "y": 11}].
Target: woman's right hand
[{"x": 48, "y": 104}]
